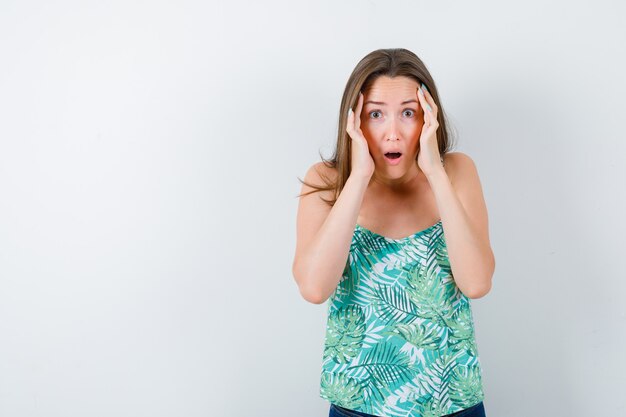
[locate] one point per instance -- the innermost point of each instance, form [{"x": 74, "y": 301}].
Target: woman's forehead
[{"x": 395, "y": 89}]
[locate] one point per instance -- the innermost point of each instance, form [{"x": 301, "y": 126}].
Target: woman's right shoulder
[{"x": 321, "y": 174}]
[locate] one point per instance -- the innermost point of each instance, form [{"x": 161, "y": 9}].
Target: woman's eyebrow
[{"x": 380, "y": 103}]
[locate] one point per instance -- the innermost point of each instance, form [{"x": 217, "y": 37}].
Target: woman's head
[{"x": 390, "y": 76}]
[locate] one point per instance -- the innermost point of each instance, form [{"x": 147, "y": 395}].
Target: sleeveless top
[{"x": 399, "y": 333}]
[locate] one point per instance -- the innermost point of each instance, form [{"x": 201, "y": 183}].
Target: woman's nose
[{"x": 392, "y": 129}]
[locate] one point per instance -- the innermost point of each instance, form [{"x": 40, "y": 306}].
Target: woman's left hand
[{"x": 429, "y": 158}]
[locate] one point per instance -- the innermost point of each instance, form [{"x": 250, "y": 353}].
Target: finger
[
  {"x": 423, "y": 104},
  {"x": 350, "y": 122},
  {"x": 359, "y": 108},
  {"x": 429, "y": 99}
]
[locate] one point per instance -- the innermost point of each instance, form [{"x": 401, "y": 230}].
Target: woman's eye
[{"x": 410, "y": 111}]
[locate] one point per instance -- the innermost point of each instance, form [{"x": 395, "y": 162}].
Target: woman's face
[{"x": 391, "y": 121}]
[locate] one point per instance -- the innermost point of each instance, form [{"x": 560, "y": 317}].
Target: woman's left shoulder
[
  {"x": 459, "y": 165},
  {"x": 457, "y": 158}
]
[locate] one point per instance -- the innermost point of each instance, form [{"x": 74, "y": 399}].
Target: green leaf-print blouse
[{"x": 399, "y": 333}]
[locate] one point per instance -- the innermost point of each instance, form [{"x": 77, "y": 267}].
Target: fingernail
[
  {"x": 424, "y": 87},
  {"x": 428, "y": 107},
  {"x": 349, "y": 111}
]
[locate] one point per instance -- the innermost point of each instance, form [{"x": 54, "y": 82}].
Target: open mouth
[{"x": 393, "y": 158}]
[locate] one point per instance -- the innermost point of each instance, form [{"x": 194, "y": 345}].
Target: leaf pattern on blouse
[{"x": 399, "y": 333}]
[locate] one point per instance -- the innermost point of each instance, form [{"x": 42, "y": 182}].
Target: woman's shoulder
[
  {"x": 457, "y": 157},
  {"x": 457, "y": 165},
  {"x": 321, "y": 173},
  {"x": 320, "y": 180}
]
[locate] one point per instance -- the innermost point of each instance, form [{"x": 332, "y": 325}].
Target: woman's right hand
[{"x": 362, "y": 163}]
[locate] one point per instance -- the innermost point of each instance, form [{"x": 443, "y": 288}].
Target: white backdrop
[{"x": 148, "y": 161}]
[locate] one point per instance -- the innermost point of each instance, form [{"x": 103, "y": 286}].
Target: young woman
[{"x": 392, "y": 231}]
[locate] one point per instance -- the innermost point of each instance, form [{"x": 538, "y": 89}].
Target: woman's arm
[
  {"x": 324, "y": 235},
  {"x": 464, "y": 218}
]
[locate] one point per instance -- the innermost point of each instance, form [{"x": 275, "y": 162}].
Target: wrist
[
  {"x": 362, "y": 179},
  {"x": 436, "y": 173}
]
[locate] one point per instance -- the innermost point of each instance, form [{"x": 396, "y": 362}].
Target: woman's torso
[{"x": 399, "y": 335}]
